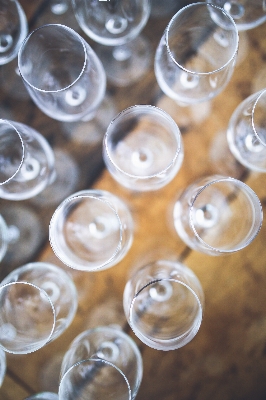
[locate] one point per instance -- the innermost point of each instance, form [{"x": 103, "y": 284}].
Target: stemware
[
  {"x": 43, "y": 396},
  {"x": 13, "y": 29},
  {"x": 143, "y": 148},
  {"x": 116, "y": 26},
  {"x": 246, "y": 132},
  {"x": 91, "y": 230},
  {"x": 101, "y": 363},
  {"x": 196, "y": 55},
  {"x": 2, "y": 366},
  {"x": 26, "y": 161},
  {"x": 163, "y": 303},
  {"x": 38, "y": 303},
  {"x": 62, "y": 73},
  {"x": 208, "y": 215}
]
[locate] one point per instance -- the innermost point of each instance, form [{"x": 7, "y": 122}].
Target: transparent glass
[
  {"x": 196, "y": 55},
  {"x": 116, "y": 25},
  {"x": 247, "y": 14},
  {"x": 13, "y": 29},
  {"x": 43, "y": 396},
  {"x": 246, "y": 132},
  {"x": 26, "y": 161},
  {"x": 38, "y": 303},
  {"x": 2, "y": 366},
  {"x": 208, "y": 215},
  {"x": 163, "y": 303},
  {"x": 62, "y": 73},
  {"x": 101, "y": 363},
  {"x": 91, "y": 230},
  {"x": 143, "y": 148}
]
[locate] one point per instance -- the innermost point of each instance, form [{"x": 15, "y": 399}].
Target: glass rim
[
  {"x": 159, "y": 111},
  {"x": 95, "y": 359},
  {"x": 23, "y": 150},
  {"x": 205, "y": 5},
  {"x": 63, "y": 27},
  {"x": 43, "y": 292},
  {"x": 247, "y": 190},
  {"x": 160, "y": 343},
  {"x": 260, "y": 94},
  {"x": 57, "y": 250}
]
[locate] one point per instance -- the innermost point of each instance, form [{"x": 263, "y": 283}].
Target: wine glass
[
  {"x": 26, "y": 161},
  {"x": 116, "y": 26},
  {"x": 143, "y": 148},
  {"x": 43, "y": 396},
  {"x": 101, "y": 363},
  {"x": 38, "y": 303},
  {"x": 62, "y": 74},
  {"x": 208, "y": 215},
  {"x": 246, "y": 14},
  {"x": 13, "y": 29},
  {"x": 246, "y": 132},
  {"x": 2, "y": 366},
  {"x": 163, "y": 303},
  {"x": 196, "y": 55},
  {"x": 91, "y": 230}
]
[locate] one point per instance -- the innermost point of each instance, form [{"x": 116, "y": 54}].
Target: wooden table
[{"x": 227, "y": 358}]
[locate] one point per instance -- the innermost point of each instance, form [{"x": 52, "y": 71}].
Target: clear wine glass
[
  {"x": 13, "y": 29},
  {"x": 196, "y": 55},
  {"x": 101, "y": 363},
  {"x": 43, "y": 396},
  {"x": 143, "y": 148},
  {"x": 62, "y": 73},
  {"x": 246, "y": 132},
  {"x": 163, "y": 303},
  {"x": 116, "y": 26},
  {"x": 38, "y": 303},
  {"x": 91, "y": 230},
  {"x": 208, "y": 215},
  {"x": 2, "y": 366},
  {"x": 246, "y": 14},
  {"x": 26, "y": 161}
]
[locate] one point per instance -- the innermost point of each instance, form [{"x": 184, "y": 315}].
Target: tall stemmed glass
[
  {"x": 163, "y": 303},
  {"x": 208, "y": 215},
  {"x": 196, "y": 55},
  {"x": 143, "y": 148},
  {"x": 116, "y": 25},
  {"x": 246, "y": 132},
  {"x": 101, "y": 363},
  {"x": 27, "y": 161},
  {"x": 38, "y": 303},
  {"x": 62, "y": 74},
  {"x": 2, "y": 366},
  {"x": 91, "y": 230}
]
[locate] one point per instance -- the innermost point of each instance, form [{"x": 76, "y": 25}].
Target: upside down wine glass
[
  {"x": 143, "y": 148},
  {"x": 195, "y": 58},
  {"x": 208, "y": 215},
  {"x": 163, "y": 303},
  {"x": 91, "y": 230},
  {"x": 38, "y": 303},
  {"x": 61, "y": 72},
  {"x": 116, "y": 25},
  {"x": 101, "y": 363}
]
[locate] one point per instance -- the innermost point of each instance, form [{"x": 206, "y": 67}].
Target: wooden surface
[{"x": 227, "y": 358}]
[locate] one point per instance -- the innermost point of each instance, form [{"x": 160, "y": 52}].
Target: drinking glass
[
  {"x": 13, "y": 29},
  {"x": 208, "y": 215},
  {"x": 38, "y": 303},
  {"x": 196, "y": 55},
  {"x": 43, "y": 396},
  {"x": 246, "y": 14},
  {"x": 163, "y": 303},
  {"x": 101, "y": 363},
  {"x": 26, "y": 161},
  {"x": 91, "y": 230},
  {"x": 62, "y": 74},
  {"x": 143, "y": 148},
  {"x": 2, "y": 366},
  {"x": 116, "y": 26},
  {"x": 246, "y": 132}
]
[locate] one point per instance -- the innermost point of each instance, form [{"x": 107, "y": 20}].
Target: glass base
[{"x": 127, "y": 63}]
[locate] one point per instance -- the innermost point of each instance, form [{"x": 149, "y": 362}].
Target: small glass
[{"x": 163, "y": 303}]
